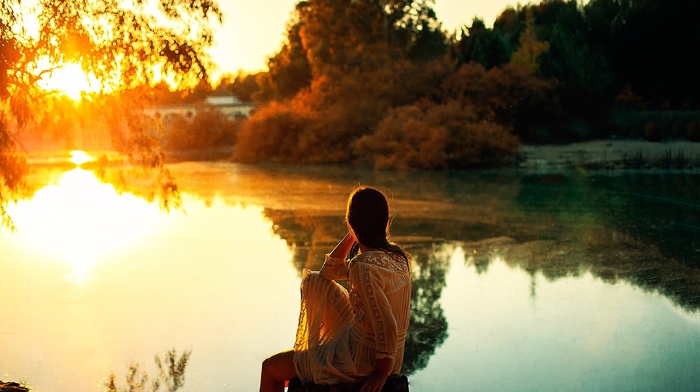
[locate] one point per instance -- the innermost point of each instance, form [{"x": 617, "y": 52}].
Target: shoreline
[
  {"x": 612, "y": 154},
  {"x": 593, "y": 154}
]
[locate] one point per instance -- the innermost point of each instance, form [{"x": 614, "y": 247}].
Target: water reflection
[
  {"x": 79, "y": 220},
  {"x": 576, "y": 333},
  {"x": 634, "y": 228},
  {"x": 197, "y": 280},
  {"x": 428, "y": 328},
  {"x": 312, "y": 236},
  {"x": 511, "y": 272}
]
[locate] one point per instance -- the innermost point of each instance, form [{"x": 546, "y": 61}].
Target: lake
[{"x": 523, "y": 280}]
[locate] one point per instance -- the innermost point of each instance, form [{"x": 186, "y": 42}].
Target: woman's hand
[
  {"x": 374, "y": 382},
  {"x": 341, "y": 250}
]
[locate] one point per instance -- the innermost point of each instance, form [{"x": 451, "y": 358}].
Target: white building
[{"x": 229, "y": 105}]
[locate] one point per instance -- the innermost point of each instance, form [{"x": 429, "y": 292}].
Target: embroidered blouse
[
  {"x": 376, "y": 296},
  {"x": 341, "y": 334}
]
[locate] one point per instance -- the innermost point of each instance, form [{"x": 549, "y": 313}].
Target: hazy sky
[{"x": 254, "y": 30}]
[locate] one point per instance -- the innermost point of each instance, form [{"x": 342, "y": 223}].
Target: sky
[{"x": 254, "y": 30}]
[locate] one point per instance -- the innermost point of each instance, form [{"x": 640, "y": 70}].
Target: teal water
[{"x": 541, "y": 281}]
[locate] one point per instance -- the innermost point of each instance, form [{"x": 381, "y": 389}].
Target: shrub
[
  {"x": 431, "y": 136},
  {"x": 509, "y": 95},
  {"x": 208, "y": 128},
  {"x": 272, "y": 133}
]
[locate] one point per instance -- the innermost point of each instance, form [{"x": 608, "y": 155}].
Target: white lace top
[{"x": 341, "y": 344}]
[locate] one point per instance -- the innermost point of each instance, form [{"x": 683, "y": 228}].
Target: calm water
[{"x": 522, "y": 281}]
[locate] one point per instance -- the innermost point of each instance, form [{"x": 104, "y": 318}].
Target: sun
[{"x": 68, "y": 79}]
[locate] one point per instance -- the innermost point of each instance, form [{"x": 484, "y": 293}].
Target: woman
[{"x": 347, "y": 337}]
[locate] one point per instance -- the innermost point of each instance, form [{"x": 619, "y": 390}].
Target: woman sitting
[{"x": 355, "y": 336}]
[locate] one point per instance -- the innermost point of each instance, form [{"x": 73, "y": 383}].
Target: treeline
[{"x": 382, "y": 84}]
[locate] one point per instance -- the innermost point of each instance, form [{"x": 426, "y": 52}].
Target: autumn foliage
[
  {"x": 387, "y": 88},
  {"x": 207, "y": 128},
  {"x": 388, "y": 97}
]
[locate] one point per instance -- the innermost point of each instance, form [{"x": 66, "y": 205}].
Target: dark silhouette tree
[{"x": 482, "y": 45}]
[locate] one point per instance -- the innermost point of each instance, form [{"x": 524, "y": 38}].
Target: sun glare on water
[{"x": 82, "y": 221}]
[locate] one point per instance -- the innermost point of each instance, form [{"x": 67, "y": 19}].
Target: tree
[
  {"x": 429, "y": 136},
  {"x": 122, "y": 44},
  {"x": 339, "y": 36},
  {"x": 421, "y": 32},
  {"x": 484, "y": 46},
  {"x": 288, "y": 71},
  {"x": 510, "y": 24},
  {"x": 653, "y": 54},
  {"x": 244, "y": 86},
  {"x": 530, "y": 47}
]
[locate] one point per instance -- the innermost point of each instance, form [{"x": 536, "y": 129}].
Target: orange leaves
[
  {"x": 430, "y": 136},
  {"x": 273, "y": 133}
]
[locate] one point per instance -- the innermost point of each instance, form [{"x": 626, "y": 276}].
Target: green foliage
[
  {"x": 171, "y": 375},
  {"x": 530, "y": 48},
  {"x": 484, "y": 46}
]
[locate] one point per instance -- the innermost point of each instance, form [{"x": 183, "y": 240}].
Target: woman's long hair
[{"x": 367, "y": 215}]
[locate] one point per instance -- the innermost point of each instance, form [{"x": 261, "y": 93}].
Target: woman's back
[{"x": 380, "y": 295}]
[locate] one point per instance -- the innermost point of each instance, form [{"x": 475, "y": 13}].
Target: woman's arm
[
  {"x": 334, "y": 266},
  {"x": 341, "y": 250}
]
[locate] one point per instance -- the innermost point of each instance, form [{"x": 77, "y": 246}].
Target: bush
[
  {"x": 429, "y": 136},
  {"x": 323, "y": 121},
  {"x": 509, "y": 95},
  {"x": 273, "y": 133},
  {"x": 208, "y": 128}
]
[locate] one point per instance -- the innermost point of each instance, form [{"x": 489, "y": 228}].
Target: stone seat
[{"x": 395, "y": 383}]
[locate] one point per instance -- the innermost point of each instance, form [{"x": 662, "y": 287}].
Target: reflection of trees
[
  {"x": 310, "y": 235},
  {"x": 637, "y": 228},
  {"x": 171, "y": 375},
  {"x": 428, "y": 327},
  {"x": 661, "y": 209},
  {"x": 609, "y": 255},
  {"x": 152, "y": 186}
]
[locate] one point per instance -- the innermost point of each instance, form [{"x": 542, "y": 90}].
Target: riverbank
[
  {"x": 611, "y": 155},
  {"x": 595, "y": 154}
]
